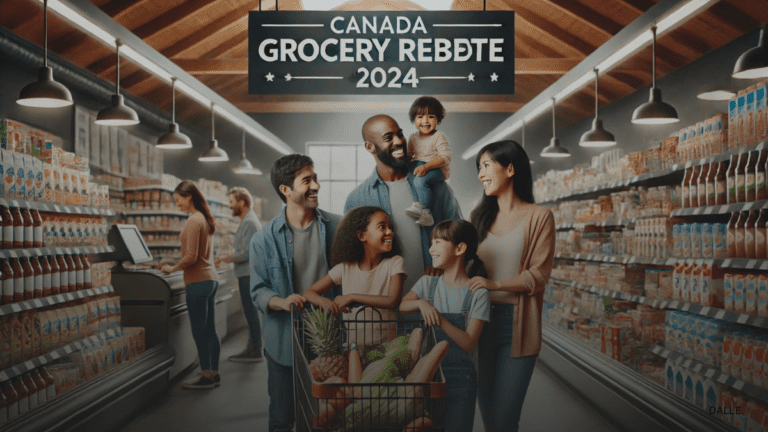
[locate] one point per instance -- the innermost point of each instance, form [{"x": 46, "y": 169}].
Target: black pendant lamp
[
  {"x": 174, "y": 139},
  {"x": 597, "y": 137},
  {"x": 554, "y": 149},
  {"x": 45, "y": 92},
  {"x": 754, "y": 62},
  {"x": 244, "y": 166},
  {"x": 214, "y": 153},
  {"x": 117, "y": 113},
  {"x": 654, "y": 111}
]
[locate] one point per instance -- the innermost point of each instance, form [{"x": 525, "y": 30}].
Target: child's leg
[{"x": 424, "y": 185}]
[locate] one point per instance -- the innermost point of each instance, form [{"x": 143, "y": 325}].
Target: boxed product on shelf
[
  {"x": 66, "y": 377},
  {"x": 761, "y": 126}
]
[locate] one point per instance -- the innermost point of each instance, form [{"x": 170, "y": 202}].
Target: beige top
[
  {"x": 430, "y": 148},
  {"x": 372, "y": 282},
  {"x": 197, "y": 251},
  {"x": 502, "y": 254}
]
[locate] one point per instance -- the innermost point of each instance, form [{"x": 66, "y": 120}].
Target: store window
[{"x": 340, "y": 167}]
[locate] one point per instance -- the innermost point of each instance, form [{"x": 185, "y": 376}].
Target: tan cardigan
[
  {"x": 535, "y": 267},
  {"x": 197, "y": 251}
]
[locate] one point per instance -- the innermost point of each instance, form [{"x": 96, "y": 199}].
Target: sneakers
[
  {"x": 249, "y": 355},
  {"x": 203, "y": 383},
  {"x": 414, "y": 210},
  {"x": 425, "y": 219},
  {"x": 217, "y": 380}
]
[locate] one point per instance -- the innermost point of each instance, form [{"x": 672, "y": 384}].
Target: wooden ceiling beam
[
  {"x": 588, "y": 16},
  {"x": 120, "y": 9},
  {"x": 733, "y": 17},
  {"x": 538, "y": 27},
  {"x": 239, "y": 66},
  {"x": 170, "y": 17},
  {"x": 639, "y": 6},
  {"x": 370, "y": 107},
  {"x": 227, "y": 46}
]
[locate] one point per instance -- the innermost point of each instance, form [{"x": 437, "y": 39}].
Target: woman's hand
[
  {"x": 343, "y": 302},
  {"x": 331, "y": 306},
  {"x": 166, "y": 269},
  {"x": 478, "y": 282},
  {"x": 430, "y": 315}
]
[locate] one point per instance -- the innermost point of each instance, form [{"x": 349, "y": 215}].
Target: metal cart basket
[{"x": 357, "y": 407}]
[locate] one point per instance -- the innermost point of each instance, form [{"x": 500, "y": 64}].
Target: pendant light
[
  {"x": 45, "y": 92},
  {"x": 754, "y": 62},
  {"x": 654, "y": 111},
  {"x": 214, "y": 153},
  {"x": 244, "y": 166},
  {"x": 174, "y": 139},
  {"x": 117, "y": 113},
  {"x": 554, "y": 149},
  {"x": 716, "y": 95},
  {"x": 523, "y": 145},
  {"x": 597, "y": 137}
]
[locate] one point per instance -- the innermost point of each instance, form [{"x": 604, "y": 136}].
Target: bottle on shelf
[
  {"x": 730, "y": 237},
  {"x": 72, "y": 276},
  {"x": 7, "y": 227},
  {"x": 761, "y": 192},
  {"x": 87, "y": 276},
  {"x": 79, "y": 276},
  {"x": 29, "y": 278},
  {"x": 46, "y": 268},
  {"x": 37, "y": 268},
  {"x": 749, "y": 235},
  {"x": 31, "y": 389},
  {"x": 741, "y": 178},
  {"x": 42, "y": 396},
  {"x": 37, "y": 227},
  {"x": 23, "y": 393},
  {"x": 731, "y": 179},
  {"x": 50, "y": 383},
  {"x": 693, "y": 191},
  {"x": 721, "y": 184},
  {"x": 710, "y": 198},
  {"x": 760, "y": 236},
  {"x": 701, "y": 187},
  {"x": 18, "y": 281},
  {"x": 63, "y": 273},
  {"x": 18, "y": 228},
  {"x": 3, "y": 408},
  {"x": 749, "y": 177},
  {"x": 12, "y": 400},
  {"x": 8, "y": 282},
  {"x": 685, "y": 196},
  {"x": 741, "y": 224},
  {"x": 55, "y": 275},
  {"x": 29, "y": 232}
]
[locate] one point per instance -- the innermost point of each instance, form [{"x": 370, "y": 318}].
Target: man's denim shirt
[
  {"x": 271, "y": 256},
  {"x": 374, "y": 192}
]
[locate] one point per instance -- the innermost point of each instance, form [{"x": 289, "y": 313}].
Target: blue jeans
[
  {"x": 502, "y": 380},
  {"x": 424, "y": 185},
  {"x": 200, "y": 303},
  {"x": 251, "y": 313},
  {"x": 280, "y": 390}
]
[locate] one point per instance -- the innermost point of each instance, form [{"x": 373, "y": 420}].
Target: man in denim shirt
[
  {"x": 391, "y": 188},
  {"x": 291, "y": 253}
]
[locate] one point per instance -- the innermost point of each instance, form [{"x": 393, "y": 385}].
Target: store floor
[{"x": 241, "y": 403}]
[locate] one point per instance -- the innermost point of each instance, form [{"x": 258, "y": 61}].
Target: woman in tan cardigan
[
  {"x": 200, "y": 279},
  {"x": 518, "y": 247}
]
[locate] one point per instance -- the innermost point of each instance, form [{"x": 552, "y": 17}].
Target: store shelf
[
  {"x": 617, "y": 259},
  {"x": 561, "y": 303},
  {"x": 52, "y": 300},
  {"x": 711, "y": 373},
  {"x": 721, "y": 209},
  {"x": 723, "y": 263},
  {"x": 41, "y": 360},
  {"x": 28, "y": 253},
  {"x": 169, "y": 190},
  {"x": 163, "y": 245},
  {"x": 159, "y": 230},
  {"x": 667, "y": 176},
  {"x": 154, "y": 213},
  {"x": 56, "y": 208},
  {"x": 707, "y": 311},
  {"x": 605, "y": 223}
]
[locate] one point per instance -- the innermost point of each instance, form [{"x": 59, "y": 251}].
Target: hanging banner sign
[{"x": 372, "y": 53}]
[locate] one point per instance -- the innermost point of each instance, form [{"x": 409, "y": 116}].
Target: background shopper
[
  {"x": 200, "y": 279},
  {"x": 517, "y": 247},
  {"x": 241, "y": 204}
]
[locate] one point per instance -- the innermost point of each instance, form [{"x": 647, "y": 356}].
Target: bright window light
[{"x": 325, "y": 5}]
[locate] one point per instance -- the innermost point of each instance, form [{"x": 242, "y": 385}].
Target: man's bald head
[{"x": 371, "y": 127}]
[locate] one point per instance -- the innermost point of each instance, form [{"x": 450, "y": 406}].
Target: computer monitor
[{"x": 129, "y": 245}]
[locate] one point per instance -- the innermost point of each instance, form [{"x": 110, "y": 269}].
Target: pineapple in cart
[{"x": 324, "y": 337}]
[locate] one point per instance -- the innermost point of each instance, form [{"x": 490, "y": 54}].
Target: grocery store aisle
[{"x": 241, "y": 403}]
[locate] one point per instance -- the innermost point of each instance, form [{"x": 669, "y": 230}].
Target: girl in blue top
[{"x": 456, "y": 313}]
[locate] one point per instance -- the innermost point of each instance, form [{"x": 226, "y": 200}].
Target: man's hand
[
  {"x": 431, "y": 271},
  {"x": 478, "y": 282},
  {"x": 430, "y": 315},
  {"x": 293, "y": 299},
  {"x": 420, "y": 171}
]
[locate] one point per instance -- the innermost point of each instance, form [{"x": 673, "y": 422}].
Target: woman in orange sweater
[
  {"x": 200, "y": 279},
  {"x": 518, "y": 247}
]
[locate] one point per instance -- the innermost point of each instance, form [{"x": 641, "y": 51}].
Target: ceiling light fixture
[
  {"x": 117, "y": 113},
  {"x": 45, "y": 92},
  {"x": 716, "y": 95},
  {"x": 554, "y": 149},
  {"x": 214, "y": 153},
  {"x": 655, "y": 111},
  {"x": 174, "y": 139},
  {"x": 597, "y": 137},
  {"x": 245, "y": 166},
  {"x": 754, "y": 62}
]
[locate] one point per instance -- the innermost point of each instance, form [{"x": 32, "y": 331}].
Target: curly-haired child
[
  {"x": 430, "y": 155},
  {"x": 366, "y": 264}
]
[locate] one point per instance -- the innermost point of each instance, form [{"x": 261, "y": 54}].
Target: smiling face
[
  {"x": 183, "y": 203},
  {"x": 444, "y": 253},
  {"x": 386, "y": 140},
  {"x": 495, "y": 178},
  {"x": 378, "y": 235},
  {"x": 304, "y": 191},
  {"x": 426, "y": 123}
]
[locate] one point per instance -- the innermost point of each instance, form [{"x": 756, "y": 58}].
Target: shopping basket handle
[{"x": 363, "y": 307}]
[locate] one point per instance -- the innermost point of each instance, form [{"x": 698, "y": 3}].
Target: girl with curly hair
[{"x": 366, "y": 265}]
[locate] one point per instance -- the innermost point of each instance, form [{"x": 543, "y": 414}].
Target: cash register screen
[{"x": 134, "y": 242}]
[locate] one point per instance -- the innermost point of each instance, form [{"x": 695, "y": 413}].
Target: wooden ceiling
[{"x": 208, "y": 38}]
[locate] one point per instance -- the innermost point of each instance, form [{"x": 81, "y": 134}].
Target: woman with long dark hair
[
  {"x": 517, "y": 245},
  {"x": 200, "y": 279}
]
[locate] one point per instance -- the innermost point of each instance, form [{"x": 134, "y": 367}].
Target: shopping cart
[{"x": 357, "y": 407}]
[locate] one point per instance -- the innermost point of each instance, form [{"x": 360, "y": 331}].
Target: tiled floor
[{"x": 241, "y": 403}]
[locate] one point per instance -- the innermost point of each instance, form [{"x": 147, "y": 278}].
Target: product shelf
[
  {"x": 52, "y": 300},
  {"x": 159, "y": 230},
  {"x": 163, "y": 245},
  {"x": 666, "y": 176},
  {"x": 154, "y": 213},
  {"x": 605, "y": 223},
  {"x": 35, "y": 252},
  {"x": 721, "y": 209},
  {"x": 618, "y": 259},
  {"x": 711, "y": 373},
  {"x": 43, "y": 359},
  {"x": 707, "y": 311},
  {"x": 169, "y": 190},
  {"x": 723, "y": 263},
  {"x": 56, "y": 208}
]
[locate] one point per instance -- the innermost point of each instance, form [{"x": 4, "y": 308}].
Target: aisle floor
[{"x": 242, "y": 404}]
